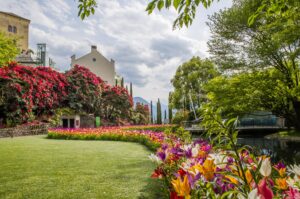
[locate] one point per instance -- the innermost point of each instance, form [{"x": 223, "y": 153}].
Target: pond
[{"x": 278, "y": 150}]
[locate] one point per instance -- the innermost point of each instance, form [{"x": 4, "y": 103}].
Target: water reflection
[{"x": 278, "y": 150}]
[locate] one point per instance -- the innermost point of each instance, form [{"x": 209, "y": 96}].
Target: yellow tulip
[
  {"x": 248, "y": 176},
  {"x": 207, "y": 169},
  {"x": 182, "y": 188}
]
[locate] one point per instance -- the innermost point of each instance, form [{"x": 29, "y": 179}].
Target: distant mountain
[
  {"x": 140, "y": 100},
  {"x": 143, "y": 101}
]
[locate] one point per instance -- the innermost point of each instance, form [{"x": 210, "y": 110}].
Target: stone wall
[{"x": 24, "y": 130}]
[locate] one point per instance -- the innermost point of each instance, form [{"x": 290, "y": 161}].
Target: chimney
[
  {"x": 112, "y": 61},
  {"x": 93, "y": 48},
  {"x": 73, "y": 57}
]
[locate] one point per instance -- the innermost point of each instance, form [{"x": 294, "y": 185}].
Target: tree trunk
[{"x": 296, "y": 105}]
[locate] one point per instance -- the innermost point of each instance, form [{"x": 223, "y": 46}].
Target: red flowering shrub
[
  {"x": 26, "y": 91},
  {"x": 84, "y": 90},
  {"x": 116, "y": 103}
]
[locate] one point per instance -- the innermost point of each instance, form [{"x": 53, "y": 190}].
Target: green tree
[
  {"x": 8, "y": 49},
  {"x": 159, "y": 120},
  {"x": 131, "y": 92},
  {"x": 188, "y": 83},
  {"x": 170, "y": 107},
  {"x": 244, "y": 93},
  {"x": 151, "y": 107},
  {"x": 271, "y": 41},
  {"x": 122, "y": 82}
]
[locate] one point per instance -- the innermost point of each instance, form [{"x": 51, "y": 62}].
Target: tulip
[
  {"x": 254, "y": 194},
  {"x": 281, "y": 183},
  {"x": 207, "y": 169},
  {"x": 266, "y": 167},
  {"x": 182, "y": 188},
  {"x": 264, "y": 190},
  {"x": 292, "y": 194}
]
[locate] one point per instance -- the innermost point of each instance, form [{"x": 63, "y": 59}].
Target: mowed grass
[{"x": 36, "y": 167}]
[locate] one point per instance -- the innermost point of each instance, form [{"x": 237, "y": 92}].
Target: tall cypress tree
[
  {"x": 165, "y": 118},
  {"x": 158, "y": 112},
  {"x": 131, "y": 93},
  {"x": 170, "y": 108},
  {"x": 122, "y": 82},
  {"x": 151, "y": 116},
  {"x": 116, "y": 82}
]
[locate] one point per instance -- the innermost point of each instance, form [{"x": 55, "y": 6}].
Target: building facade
[
  {"x": 14, "y": 25},
  {"x": 97, "y": 64}
]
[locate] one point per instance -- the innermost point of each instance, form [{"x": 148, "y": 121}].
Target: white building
[{"x": 97, "y": 64}]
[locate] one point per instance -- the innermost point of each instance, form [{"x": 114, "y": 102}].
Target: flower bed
[
  {"x": 197, "y": 170},
  {"x": 150, "y": 139},
  {"x": 153, "y": 127}
]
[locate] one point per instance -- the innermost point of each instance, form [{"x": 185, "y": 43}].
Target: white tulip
[
  {"x": 254, "y": 194},
  {"x": 266, "y": 167},
  {"x": 154, "y": 158}
]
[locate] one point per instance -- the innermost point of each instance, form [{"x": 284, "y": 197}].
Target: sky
[{"x": 145, "y": 47}]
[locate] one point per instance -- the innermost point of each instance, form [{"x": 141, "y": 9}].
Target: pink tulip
[{"x": 264, "y": 190}]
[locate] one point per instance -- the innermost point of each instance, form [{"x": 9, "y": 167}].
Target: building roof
[
  {"x": 25, "y": 58},
  {"x": 14, "y": 15}
]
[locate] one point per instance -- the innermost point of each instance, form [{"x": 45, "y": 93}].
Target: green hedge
[{"x": 144, "y": 140}]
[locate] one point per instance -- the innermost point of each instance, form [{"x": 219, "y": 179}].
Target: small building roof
[
  {"x": 25, "y": 58},
  {"x": 14, "y": 15}
]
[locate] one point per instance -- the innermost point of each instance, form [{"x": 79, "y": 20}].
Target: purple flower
[
  {"x": 188, "y": 153},
  {"x": 161, "y": 155}
]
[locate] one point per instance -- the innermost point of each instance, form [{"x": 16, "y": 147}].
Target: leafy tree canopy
[
  {"x": 271, "y": 41},
  {"x": 8, "y": 49},
  {"x": 189, "y": 80},
  {"x": 244, "y": 93}
]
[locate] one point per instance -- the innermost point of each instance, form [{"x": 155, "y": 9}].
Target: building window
[
  {"x": 15, "y": 29},
  {"x": 94, "y": 59},
  {"x": 9, "y": 28}
]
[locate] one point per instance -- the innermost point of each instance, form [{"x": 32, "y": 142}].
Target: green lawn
[{"x": 36, "y": 167}]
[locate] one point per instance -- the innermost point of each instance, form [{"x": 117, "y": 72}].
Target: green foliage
[
  {"x": 8, "y": 49},
  {"x": 131, "y": 91},
  {"x": 159, "y": 113},
  {"x": 140, "y": 115},
  {"x": 186, "y": 9},
  {"x": 179, "y": 132},
  {"x": 270, "y": 41},
  {"x": 151, "y": 108},
  {"x": 244, "y": 93},
  {"x": 86, "y": 7},
  {"x": 180, "y": 116},
  {"x": 170, "y": 108},
  {"x": 122, "y": 82},
  {"x": 188, "y": 83}
]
